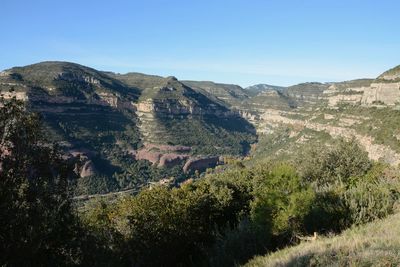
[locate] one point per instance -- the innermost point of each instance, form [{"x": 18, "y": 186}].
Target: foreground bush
[{"x": 37, "y": 223}]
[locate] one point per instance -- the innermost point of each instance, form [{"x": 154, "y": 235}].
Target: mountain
[
  {"x": 364, "y": 109},
  {"x": 258, "y": 88},
  {"x": 115, "y": 122},
  {"x": 132, "y": 128}
]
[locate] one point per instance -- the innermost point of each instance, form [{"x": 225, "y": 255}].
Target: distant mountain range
[{"x": 122, "y": 124}]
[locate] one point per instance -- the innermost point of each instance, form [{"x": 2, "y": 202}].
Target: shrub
[
  {"x": 371, "y": 196},
  {"x": 330, "y": 167},
  {"x": 281, "y": 201}
]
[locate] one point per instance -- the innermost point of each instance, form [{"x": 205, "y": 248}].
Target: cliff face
[
  {"x": 383, "y": 93},
  {"x": 181, "y": 107},
  {"x": 385, "y": 90}
]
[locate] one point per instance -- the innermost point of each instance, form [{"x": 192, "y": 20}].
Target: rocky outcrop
[
  {"x": 88, "y": 169},
  {"x": 18, "y": 95},
  {"x": 201, "y": 164},
  {"x": 109, "y": 99},
  {"x": 170, "y": 156},
  {"x": 382, "y": 93},
  {"x": 249, "y": 116},
  {"x": 73, "y": 77},
  {"x": 162, "y": 155},
  {"x": 351, "y": 95},
  {"x": 144, "y": 154},
  {"x": 4, "y": 73},
  {"x": 171, "y": 160},
  {"x": 181, "y": 107},
  {"x": 379, "y": 92}
]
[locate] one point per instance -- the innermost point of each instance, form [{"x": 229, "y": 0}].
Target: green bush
[
  {"x": 371, "y": 196},
  {"x": 326, "y": 167},
  {"x": 281, "y": 201}
]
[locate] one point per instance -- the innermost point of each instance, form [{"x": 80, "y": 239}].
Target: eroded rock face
[
  {"x": 144, "y": 154},
  {"x": 171, "y": 160},
  {"x": 162, "y": 155},
  {"x": 180, "y": 107},
  {"x": 169, "y": 156},
  {"x": 386, "y": 93},
  {"x": 200, "y": 164},
  {"x": 108, "y": 99},
  {"x": 18, "y": 95},
  {"x": 88, "y": 169},
  {"x": 84, "y": 166}
]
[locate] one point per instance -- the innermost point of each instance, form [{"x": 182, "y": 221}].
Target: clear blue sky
[{"x": 234, "y": 41}]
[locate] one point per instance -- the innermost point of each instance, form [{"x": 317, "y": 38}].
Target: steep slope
[
  {"x": 390, "y": 75},
  {"x": 173, "y": 113},
  {"x": 374, "y": 244},
  {"x": 119, "y": 124},
  {"x": 228, "y": 93},
  {"x": 88, "y": 113},
  {"x": 258, "y": 88},
  {"x": 307, "y": 93}
]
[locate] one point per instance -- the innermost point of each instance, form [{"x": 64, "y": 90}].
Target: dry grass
[{"x": 374, "y": 244}]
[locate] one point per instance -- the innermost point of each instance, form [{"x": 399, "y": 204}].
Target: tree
[
  {"x": 327, "y": 167},
  {"x": 37, "y": 226}
]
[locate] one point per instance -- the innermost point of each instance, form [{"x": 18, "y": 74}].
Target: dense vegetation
[
  {"x": 221, "y": 219},
  {"x": 37, "y": 224}
]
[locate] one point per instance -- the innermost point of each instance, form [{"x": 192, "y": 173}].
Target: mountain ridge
[{"x": 114, "y": 121}]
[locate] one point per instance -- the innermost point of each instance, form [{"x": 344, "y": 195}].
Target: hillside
[
  {"x": 112, "y": 121},
  {"x": 118, "y": 122},
  {"x": 316, "y": 113},
  {"x": 230, "y": 94},
  {"x": 258, "y": 88},
  {"x": 391, "y": 75},
  {"x": 374, "y": 244}
]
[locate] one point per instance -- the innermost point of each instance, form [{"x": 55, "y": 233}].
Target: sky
[{"x": 245, "y": 42}]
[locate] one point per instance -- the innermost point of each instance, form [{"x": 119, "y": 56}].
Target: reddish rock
[
  {"x": 161, "y": 154},
  {"x": 144, "y": 154},
  {"x": 200, "y": 164},
  {"x": 170, "y": 160},
  {"x": 88, "y": 169}
]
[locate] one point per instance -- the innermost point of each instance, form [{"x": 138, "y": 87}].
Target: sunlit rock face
[{"x": 382, "y": 92}]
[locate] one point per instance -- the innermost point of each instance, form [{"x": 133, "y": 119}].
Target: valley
[{"x": 118, "y": 124}]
